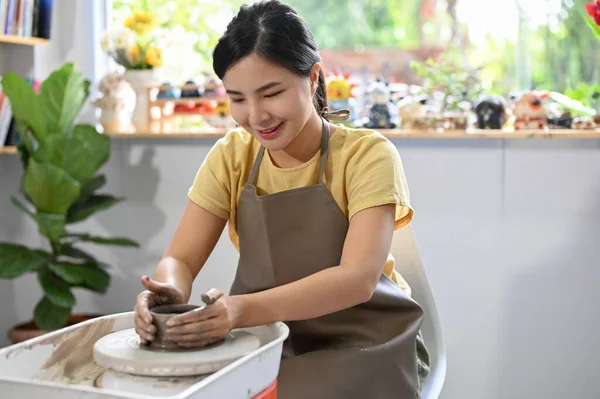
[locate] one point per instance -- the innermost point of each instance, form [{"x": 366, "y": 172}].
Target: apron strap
[
  {"x": 323, "y": 161},
  {"x": 256, "y": 166},
  {"x": 324, "y": 150}
]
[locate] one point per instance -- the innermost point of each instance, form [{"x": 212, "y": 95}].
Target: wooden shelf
[
  {"x": 390, "y": 133},
  {"x": 8, "y": 150},
  {"x": 26, "y": 41}
]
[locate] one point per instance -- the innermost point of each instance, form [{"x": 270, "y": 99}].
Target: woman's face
[{"x": 269, "y": 101}]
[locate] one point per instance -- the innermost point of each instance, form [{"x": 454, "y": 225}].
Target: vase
[{"x": 140, "y": 80}]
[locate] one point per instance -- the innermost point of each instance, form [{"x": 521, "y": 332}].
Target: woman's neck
[{"x": 303, "y": 147}]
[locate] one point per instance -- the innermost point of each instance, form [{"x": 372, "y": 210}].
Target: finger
[
  {"x": 156, "y": 287},
  {"x": 148, "y": 328},
  {"x": 142, "y": 308},
  {"x": 194, "y": 316},
  {"x": 144, "y": 336},
  {"x": 192, "y": 328},
  {"x": 211, "y": 296}
]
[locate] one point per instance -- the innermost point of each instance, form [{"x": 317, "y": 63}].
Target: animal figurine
[
  {"x": 530, "y": 111},
  {"x": 583, "y": 123},
  {"x": 340, "y": 96},
  {"x": 381, "y": 113},
  {"x": 413, "y": 111},
  {"x": 491, "y": 111}
]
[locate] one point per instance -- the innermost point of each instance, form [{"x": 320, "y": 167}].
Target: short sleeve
[
  {"x": 211, "y": 188},
  {"x": 375, "y": 176}
]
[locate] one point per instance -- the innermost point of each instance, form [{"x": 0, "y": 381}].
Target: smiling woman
[{"x": 312, "y": 207}]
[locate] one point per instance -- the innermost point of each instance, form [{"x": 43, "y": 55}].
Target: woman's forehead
[{"x": 253, "y": 72}]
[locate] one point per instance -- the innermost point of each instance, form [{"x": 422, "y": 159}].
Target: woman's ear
[{"x": 314, "y": 77}]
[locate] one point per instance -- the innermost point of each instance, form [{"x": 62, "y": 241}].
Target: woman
[{"x": 312, "y": 208}]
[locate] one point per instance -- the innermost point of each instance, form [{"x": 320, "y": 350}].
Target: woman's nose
[{"x": 257, "y": 114}]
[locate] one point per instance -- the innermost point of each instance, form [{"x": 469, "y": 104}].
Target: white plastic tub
[{"x": 61, "y": 365}]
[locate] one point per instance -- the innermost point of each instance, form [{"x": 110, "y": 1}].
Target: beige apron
[{"x": 367, "y": 351}]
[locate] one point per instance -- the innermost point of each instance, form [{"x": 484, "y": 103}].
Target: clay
[
  {"x": 160, "y": 316},
  {"x": 72, "y": 360}
]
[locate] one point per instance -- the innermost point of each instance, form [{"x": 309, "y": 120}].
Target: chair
[{"x": 409, "y": 265}]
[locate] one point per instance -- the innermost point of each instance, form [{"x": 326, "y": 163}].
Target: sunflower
[
  {"x": 154, "y": 56},
  {"x": 141, "y": 22}
]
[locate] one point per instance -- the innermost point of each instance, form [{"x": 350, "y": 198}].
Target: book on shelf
[
  {"x": 26, "y": 18},
  {"x": 8, "y": 126}
]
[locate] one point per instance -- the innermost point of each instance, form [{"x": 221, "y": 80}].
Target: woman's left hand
[{"x": 205, "y": 325}]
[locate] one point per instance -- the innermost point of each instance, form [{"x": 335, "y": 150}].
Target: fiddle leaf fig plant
[{"x": 59, "y": 189}]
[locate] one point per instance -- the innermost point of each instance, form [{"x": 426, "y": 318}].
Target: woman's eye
[
  {"x": 274, "y": 94},
  {"x": 237, "y": 100}
]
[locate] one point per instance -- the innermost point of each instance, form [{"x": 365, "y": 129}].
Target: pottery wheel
[{"x": 121, "y": 351}]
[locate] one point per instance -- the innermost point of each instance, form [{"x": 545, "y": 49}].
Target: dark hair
[{"x": 274, "y": 31}]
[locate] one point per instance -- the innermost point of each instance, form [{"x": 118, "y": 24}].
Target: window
[{"x": 519, "y": 44}]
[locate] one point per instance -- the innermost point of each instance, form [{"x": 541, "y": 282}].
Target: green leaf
[
  {"x": 56, "y": 290},
  {"x": 86, "y": 207},
  {"x": 592, "y": 24},
  {"x": 26, "y": 105},
  {"x": 70, "y": 153},
  {"x": 48, "y": 316},
  {"x": 50, "y": 188},
  {"x": 50, "y": 225},
  {"x": 62, "y": 96},
  {"x": 84, "y": 275},
  {"x": 98, "y": 142},
  {"x": 76, "y": 253},
  {"x": 91, "y": 186},
  {"x": 106, "y": 240},
  {"x": 16, "y": 260},
  {"x": 21, "y": 207}
]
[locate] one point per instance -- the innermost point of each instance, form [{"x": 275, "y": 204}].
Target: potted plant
[
  {"x": 59, "y": 189},
  {"x": 451, "y": 88}
]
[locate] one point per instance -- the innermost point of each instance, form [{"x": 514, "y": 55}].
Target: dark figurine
[
  {"x": 380, "y": 115},
  {"x": 191, "y": 90},
  {"x": 491, "y": 111}
]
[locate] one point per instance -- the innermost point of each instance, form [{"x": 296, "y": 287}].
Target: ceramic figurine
[
  {"x": 563, "y": 121},
  {"x": 191, "y": 90},
  {"x": 491, "y": 111},
  {"x": 168, "y": 91},
  {"x": 381, "y": 112},
  {"x": 530, "y": 111},
  {"x": 413, "y": 111},
  {"x": 583, "y": 123},
  {"x": 213, "y": 88},
  {"x": 340, "y": 96},
  {"x": 115, "y": 101}
]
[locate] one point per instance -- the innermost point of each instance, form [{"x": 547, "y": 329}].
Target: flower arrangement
[
  {"x": 593, "y": 10},
  {"x": 136, "y": 43}
]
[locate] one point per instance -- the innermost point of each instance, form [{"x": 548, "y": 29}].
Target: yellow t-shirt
[{"x": 363, "y": 170}]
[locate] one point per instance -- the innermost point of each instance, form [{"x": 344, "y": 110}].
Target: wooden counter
[{"x": 390, "y": 133}]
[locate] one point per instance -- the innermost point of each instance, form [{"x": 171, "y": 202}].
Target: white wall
[{"x": 508, "y": 230}]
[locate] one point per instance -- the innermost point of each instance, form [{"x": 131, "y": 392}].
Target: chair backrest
[{"x": 409, "y": 265}]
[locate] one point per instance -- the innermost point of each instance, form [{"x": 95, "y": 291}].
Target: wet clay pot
[
  {"x": 23, "y": 332},
  {"x": 160, "y": 316}
]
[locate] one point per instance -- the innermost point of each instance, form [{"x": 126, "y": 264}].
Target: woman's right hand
[{"x": 156, "y": 294}]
